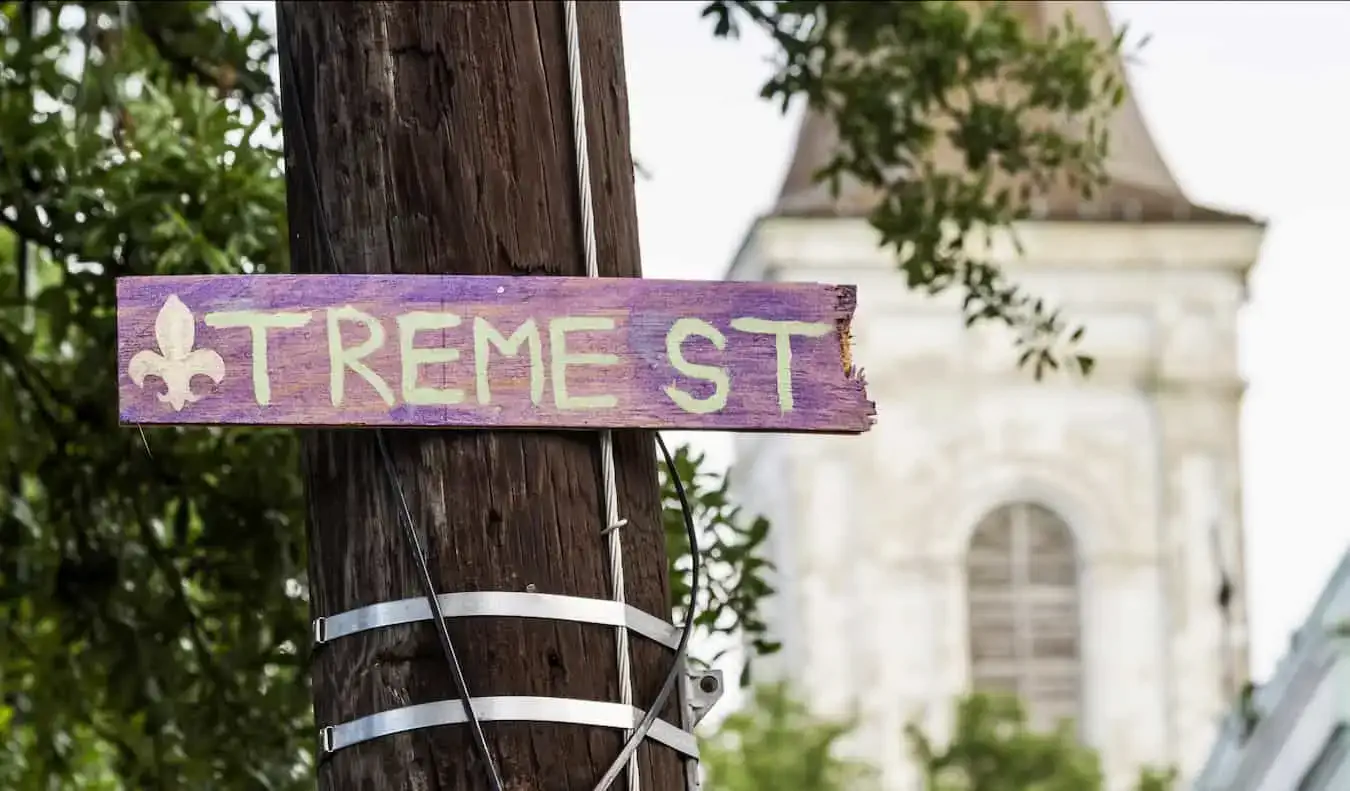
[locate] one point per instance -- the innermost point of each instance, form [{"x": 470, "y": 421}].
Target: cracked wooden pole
[{"x": 441, "y": 143}]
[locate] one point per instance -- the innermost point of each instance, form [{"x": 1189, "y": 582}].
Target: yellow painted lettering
[
  {"x": 783, "y": 332},
  {"x": 485, "y": 335},
  {"x": 340, "y": 359},
  {"x": 409, "y": 324},
  {"x": 258, "y": 322},
  {"x": 561, "y": 359},
  {"x": 679, "y": 332}
]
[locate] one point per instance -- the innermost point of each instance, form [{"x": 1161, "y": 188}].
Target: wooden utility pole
[{"x": 441, "y": 142}]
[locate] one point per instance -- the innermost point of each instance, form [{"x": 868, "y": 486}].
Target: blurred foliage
[
  {"x": 142, "y": 639},
  {"x": 776, "y": 743},
  {"x": 153, "y": 624},
  {"x": 992, "y": 748}
]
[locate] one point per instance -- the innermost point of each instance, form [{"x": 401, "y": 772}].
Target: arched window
[{"x": 1022, "y": 586}]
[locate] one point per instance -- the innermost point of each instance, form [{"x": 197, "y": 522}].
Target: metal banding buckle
[
  {"x": 468, "y": 604},
  {"x": 566, "y": 711}
]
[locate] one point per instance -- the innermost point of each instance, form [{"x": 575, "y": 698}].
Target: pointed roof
[{"x": 1141, "y": 187}]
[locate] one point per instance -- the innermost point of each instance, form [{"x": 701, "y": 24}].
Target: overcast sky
[{"x": 1248, "y": 102}]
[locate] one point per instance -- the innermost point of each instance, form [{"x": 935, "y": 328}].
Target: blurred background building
[
  {"x": 1293, "y": 733},
  {"x": 1076, "y": 542}
]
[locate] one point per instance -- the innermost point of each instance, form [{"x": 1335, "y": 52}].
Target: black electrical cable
[
  {"x": 410, "y": 532},
  {"x": 677, "y": 664}
]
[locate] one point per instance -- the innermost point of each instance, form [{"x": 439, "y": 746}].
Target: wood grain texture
[
  {"x": 443, "y": 145},
  {"x": 662, "y": 337}
]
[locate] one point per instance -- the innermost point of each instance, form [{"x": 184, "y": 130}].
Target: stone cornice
[{"x": 791, "y": 243}]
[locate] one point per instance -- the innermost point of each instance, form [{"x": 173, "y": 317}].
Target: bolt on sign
[{"x": 488, "y": 352}]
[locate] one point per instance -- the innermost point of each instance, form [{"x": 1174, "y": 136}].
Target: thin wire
[
  {"x": 609, "y": 488},
  {"x": 409, "y": 525},
  {"x": 682, "y": 650}
]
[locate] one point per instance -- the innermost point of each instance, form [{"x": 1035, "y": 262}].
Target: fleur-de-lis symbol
[{"x": 176, "y": 363}]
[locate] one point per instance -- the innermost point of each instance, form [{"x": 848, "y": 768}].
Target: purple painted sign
[{"x": 488, "y": 352}]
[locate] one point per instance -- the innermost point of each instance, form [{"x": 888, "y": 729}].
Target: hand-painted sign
[{"x": 488, "y": 352}]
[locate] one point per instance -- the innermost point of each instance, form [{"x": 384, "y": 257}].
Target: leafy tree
[
  {"x": 903, "y": 80},
  {"x": 149, "y": 588},
  {"x": 153, "y": 628},
  {"x": 992, "y": 748}
]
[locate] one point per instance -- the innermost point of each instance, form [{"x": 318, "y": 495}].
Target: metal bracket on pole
[
  {"x": 703, "y": 689},
  {"x": 699, "y": 692}
]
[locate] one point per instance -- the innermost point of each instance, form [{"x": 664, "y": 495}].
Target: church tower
[{"x": 1078, "y": 542}]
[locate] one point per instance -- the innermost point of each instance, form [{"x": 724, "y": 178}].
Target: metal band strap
[
  {"x": 467, "y": 604},
  {"x": 566, "y": 711}
]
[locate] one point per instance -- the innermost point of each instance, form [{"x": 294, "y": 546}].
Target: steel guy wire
[
  {"x": 410, "y": 532},
  {"x": 677, "y": 663},
  {"x": 609, "y": 488}
]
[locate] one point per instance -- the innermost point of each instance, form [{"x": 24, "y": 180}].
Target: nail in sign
[{"x": 488, "y": 352}]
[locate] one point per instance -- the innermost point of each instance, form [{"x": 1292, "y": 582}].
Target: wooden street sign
[{"x": 488, "y": 352}]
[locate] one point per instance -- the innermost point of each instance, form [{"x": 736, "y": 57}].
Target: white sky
[{"x": 1250, "y": 104}]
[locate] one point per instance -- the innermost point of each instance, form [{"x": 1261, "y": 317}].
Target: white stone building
[
  {"x": 1067, "y": 540},
  {"x": 1293, "y": 734}
]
